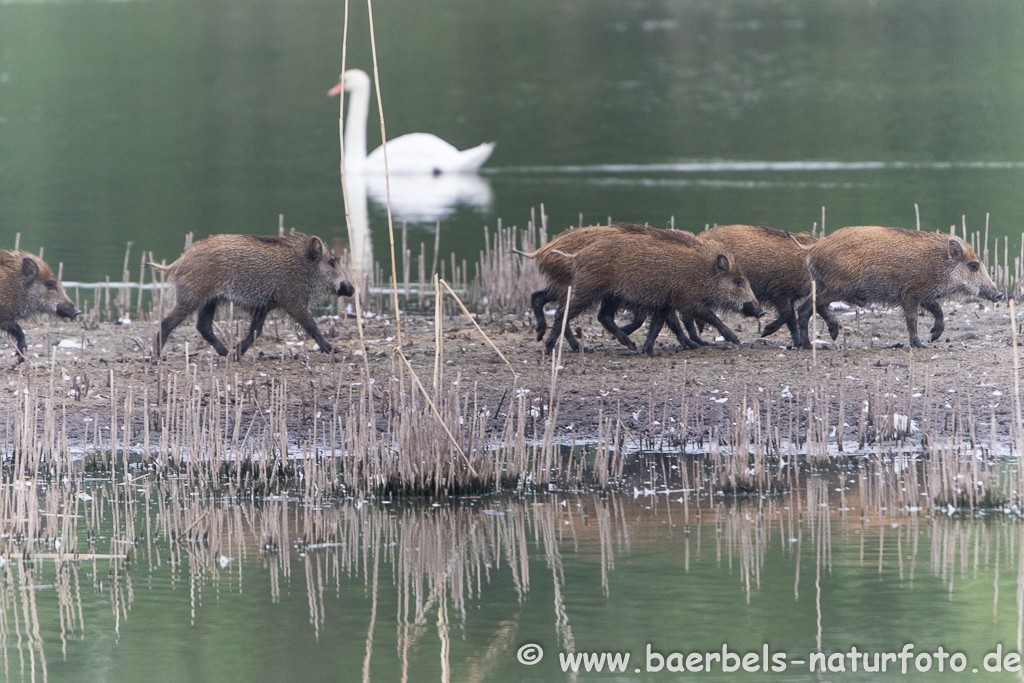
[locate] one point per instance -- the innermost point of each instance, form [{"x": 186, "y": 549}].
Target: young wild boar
[
  {"x": 257, "y": 273},
  {"x": 655, "y": 276},
  {"x": 555, "y": 263},
  {"x": 28, "y": 286},
  {"x": 775, "y": 263},
  {"x": 895, "y": 267}
]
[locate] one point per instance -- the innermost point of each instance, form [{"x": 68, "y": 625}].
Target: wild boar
[
  {"x": 28, "y": 286},
  {"x": 258, "y": 273},
  {"x": 654, "y": 276},
  {"x": 555, "y": 263},
  {"x": 894, "y": 267},
  {"x": 775, "y": 263}
]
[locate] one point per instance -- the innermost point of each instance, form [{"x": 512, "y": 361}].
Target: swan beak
[{"x": 336, "y": 90}]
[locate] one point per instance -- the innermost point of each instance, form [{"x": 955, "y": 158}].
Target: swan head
[{"x": 353, "y": 79}]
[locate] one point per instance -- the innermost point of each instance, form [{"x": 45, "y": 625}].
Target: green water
[
  {"x": 271, "y": 590},
  {"x": 141, "y": 121}
]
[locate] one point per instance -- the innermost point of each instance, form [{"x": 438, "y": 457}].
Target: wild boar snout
[
  {"x": 66, "y": 309},
  {"x": 990, "y": 293},
  {"x": 752, "y": 309}
]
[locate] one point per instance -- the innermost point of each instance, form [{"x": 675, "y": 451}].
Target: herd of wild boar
[
  {"x": 661, "y": 273},
  {"x": 671, "y": 277}
]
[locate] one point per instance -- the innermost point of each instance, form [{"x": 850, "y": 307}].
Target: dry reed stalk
[
  {"x": 469, "y": 317},
  {"x": 1016, "y": 399},
  {"x": 387, "y": 177},
  {"x": 433, "y": 408}
]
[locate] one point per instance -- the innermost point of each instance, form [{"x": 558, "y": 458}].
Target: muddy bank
[{"x": 967, "y": 375}]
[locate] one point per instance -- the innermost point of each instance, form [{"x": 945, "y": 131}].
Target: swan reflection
[{"x": 427, "y": 199}]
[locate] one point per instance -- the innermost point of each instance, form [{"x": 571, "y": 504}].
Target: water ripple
[{"x": 718, "y": 166}]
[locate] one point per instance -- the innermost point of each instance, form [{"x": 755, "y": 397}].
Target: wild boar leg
[
  {"x": 787, "y": 317},
  {"x": 673, "y": 324},
  {"x": 672, "y": 320},
  {"x": 933, "y": 307},
  {"x": 803, "y": 323},
  {"x": 691, "y": 329},
  {"x": 305, "y": 318},
  {"x": 167, "y": 325},
  {"x": 14, "y": 329},
  {"x": 794, "y": 329},
  {"x": 654, "y": 329},
  {"x": 255, "y": 330},
  {"x": 606, "y": 316},
  {"x": 537, "y": 301},
  {"x": 825, "y": 311},
  {"x": 561, "y": 319},
  {"x": 773, "y": 326},
  {"x": 204, "y": 324},
  {"x": 635, "y": 324},
  {"x": 804, "y": 319},
  {"x": 717, "y": 323},
  {"x": 910, "y": 312}
]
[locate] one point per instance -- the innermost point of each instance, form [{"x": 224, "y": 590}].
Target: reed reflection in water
[{"x": 95, "y": 571}]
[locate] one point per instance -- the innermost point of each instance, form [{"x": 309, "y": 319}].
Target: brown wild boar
[
  {"x": 894, "y": 267},
  {"x": 258, "y": 273},
  {"x": 28, "y": 286},
  {"x": 556, "y": 266},
  {"x": 655, "y": 276},
  {"x": 775, "y": 263}
]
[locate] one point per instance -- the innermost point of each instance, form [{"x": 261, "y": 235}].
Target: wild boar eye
[
  {"x": 974, "y": 266},
  {"x": 738, "y": 282},
  {"x": 51, "y": 285},
  {"x": 333, "y": 262}
]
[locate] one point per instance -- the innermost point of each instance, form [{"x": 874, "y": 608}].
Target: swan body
[{"x": 411, "y": 154}]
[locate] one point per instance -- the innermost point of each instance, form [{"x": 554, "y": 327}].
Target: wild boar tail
[
  {"x": 159, "y": 266},
  {"x": 797, "y": 242}
]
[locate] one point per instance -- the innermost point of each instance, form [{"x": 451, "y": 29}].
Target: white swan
[{"x": 414, "y": 153}]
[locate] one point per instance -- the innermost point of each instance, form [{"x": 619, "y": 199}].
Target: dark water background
[{"x": 141, "y": 121}]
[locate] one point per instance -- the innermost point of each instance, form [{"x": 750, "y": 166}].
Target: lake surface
[
  {"x": 183, "y": 587},
  {"x": 142, "y": 121}
]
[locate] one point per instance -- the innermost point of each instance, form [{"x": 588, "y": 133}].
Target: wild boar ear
[
  {"x": 29, "y": 268},
  {"x": 316, "y": 249},
  {"x": 722, "y": 264},
  {"x": 956, "y": 249}
]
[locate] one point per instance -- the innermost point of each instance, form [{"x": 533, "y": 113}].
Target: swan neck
[{"x": 355, "y": 127}]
